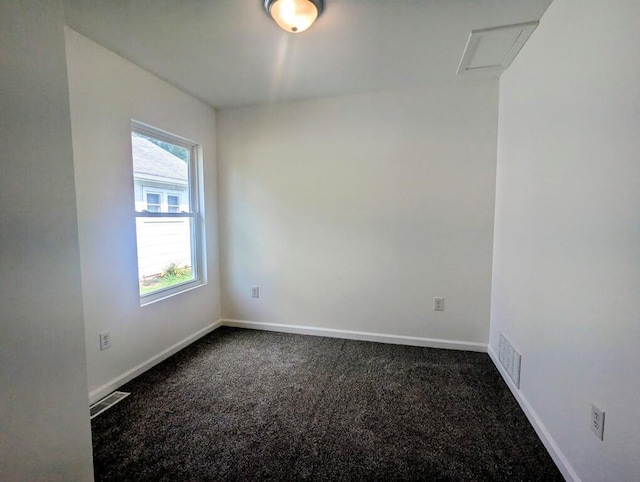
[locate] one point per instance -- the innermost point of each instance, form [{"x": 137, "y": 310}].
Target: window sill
[{"x": 152, "y": 298}]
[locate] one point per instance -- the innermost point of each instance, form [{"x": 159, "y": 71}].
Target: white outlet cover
[
  {"x": 105, "y": 340},
  {"x": 597, "y": 421}
]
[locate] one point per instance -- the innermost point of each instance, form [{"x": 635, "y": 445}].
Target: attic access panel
[{"x": 493, "y": 49}]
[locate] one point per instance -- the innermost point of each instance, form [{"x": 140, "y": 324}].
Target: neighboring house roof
[{"x": 152, "y": 160}]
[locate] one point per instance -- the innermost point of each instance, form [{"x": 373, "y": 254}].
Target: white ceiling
[{"x": 230, "y": 53}]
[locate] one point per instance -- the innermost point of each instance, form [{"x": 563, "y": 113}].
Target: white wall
[
  {"x": 354, "y": 212},
  {"x": 106, "y": 92},
  {"x": 566, "y": 274},
  {"x": 44, "y": 418}
]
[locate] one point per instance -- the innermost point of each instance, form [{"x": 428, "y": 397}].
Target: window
[
  {"x": 173, "y": 203},
  {"x": 154, "y": 201},
  {"x": 168, "y": 216}
]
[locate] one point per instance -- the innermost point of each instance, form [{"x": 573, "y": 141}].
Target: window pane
[
  {"x": 173, "y": 202},
  {"x": 160, "y": 167},
  {"x": 153, "y": 202},
  {"x": 164, "y": 253}
]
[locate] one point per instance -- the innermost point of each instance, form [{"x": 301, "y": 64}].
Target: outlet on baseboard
[
  {"x": 438, "y": 304},
  {"x": 105, "y": 340},
  {"x": 255, "y": 292}
]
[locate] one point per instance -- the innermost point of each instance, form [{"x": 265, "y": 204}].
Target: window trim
[
  {"x": 145, "y": 192},
  {"x": 176, "y": 195},
  {"x": 195, "y": 214}
]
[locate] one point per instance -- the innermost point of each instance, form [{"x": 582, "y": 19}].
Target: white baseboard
[
  {"x": 359, "y": 335},
  {"x": 558, "y": 457},
  {"x": 117, "y": 382}
]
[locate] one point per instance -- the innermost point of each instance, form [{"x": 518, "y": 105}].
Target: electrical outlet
[
  {"x": 597, "y": 421},
  {"x": 255, "y": 292},
  {"x": 105, "y": 340},
  {"x": 438, "y": 304}
]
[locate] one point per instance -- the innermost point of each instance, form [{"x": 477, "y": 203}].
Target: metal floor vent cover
[{"x": 106, "y": 403}]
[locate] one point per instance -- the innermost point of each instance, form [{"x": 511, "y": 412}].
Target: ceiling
[{"x": 230, "y": 53}]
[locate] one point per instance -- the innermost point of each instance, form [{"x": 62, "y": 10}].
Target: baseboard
[
  {"x": 129, "y": 375},
  {"x": 359, "y": 335},
  {"x": 117, "y": 382},
  {"x": 558, "y": 457}
]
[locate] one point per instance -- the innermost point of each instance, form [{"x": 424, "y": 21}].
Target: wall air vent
[
  {"x": 510, "y": 359},
  {"x": 106, "y": 403},
  {"x": 493, "y": 49}
]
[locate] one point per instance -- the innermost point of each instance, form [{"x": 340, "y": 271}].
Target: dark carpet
[{"x": 250, "y": 405}]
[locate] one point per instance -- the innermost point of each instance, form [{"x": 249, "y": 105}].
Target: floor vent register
[{"x": 106, "y": 403}]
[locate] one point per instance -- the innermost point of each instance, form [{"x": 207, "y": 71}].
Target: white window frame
[
  {"x": 196, "y": 212},
  {"x": 145, "y": 202},
  {"x": 174, "y": 194}
]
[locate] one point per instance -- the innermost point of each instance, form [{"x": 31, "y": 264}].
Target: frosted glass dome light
[{"x": 294, "y": 15}]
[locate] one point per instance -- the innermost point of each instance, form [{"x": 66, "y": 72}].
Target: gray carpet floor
[{"x": 250, "y": 405}]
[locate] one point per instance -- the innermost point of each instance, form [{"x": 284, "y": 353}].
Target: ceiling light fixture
[{"x": 294, "y": 15}]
